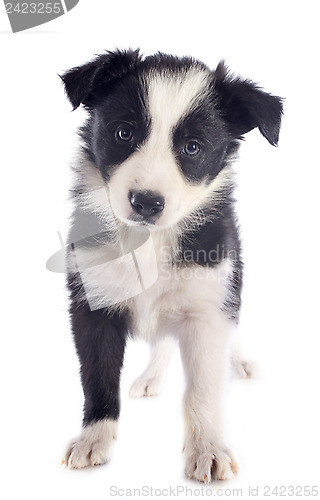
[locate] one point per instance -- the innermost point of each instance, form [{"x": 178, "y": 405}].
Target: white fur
[
  {"x": 114, "y": 282},
  {"x": 93, "y": 446},
  {"x": 110, "y": 201},
  {"x": 189, "y": 305},
  {"x": 150, "y": 381},
  {"x": 116, "y": 271},
  {"x": 172, "y": 97},
  {"x": 205, "y": 341},
  {"x": 242, "y": 366}
]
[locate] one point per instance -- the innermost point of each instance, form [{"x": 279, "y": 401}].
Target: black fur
[
  {"x": 110, "y": 88},
  {"x": 204, "y": 126},
  {"x": 85, "y": 84},
  {"x": 123, "y": 104},
  {"x": 244, "y": 106},
  {"x": 214, "y": 241},
  {"x": 100, "y": 341}
]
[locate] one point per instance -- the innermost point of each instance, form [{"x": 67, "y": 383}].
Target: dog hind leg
[
  {"x": 242, "y": 366},
  {"x": 150, "y": 381}
]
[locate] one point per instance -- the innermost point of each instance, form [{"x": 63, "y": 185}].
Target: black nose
[{"x": 146, "y": 203}]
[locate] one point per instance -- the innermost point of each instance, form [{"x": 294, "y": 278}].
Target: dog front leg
[
  {"x": 100, "y": 342},
  {"x": 205, "y": 342}
]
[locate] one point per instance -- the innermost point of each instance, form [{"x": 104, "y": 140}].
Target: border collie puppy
[{"x": 154, "y": 249}]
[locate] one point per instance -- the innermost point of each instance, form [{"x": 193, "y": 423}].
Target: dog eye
[
  {"x": 192, "y": 148},
  {"x": 124, "y": 133}
]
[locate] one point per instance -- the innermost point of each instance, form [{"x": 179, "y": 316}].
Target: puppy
[{"x": 154, "y": 250}]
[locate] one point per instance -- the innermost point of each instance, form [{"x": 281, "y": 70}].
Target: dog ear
[
  {"x": 245, "y": 106},
  {"x": 82, "y": 83}
]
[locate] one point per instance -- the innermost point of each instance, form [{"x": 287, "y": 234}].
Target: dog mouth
[{"x": 140, "y": 220}]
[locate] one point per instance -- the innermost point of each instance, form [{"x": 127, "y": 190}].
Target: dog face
[{"x": 162, "y": 130}]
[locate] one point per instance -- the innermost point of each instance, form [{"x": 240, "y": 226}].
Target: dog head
[{"x": 162, "y": 129}]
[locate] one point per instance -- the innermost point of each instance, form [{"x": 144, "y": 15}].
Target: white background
[{"x": 274, "y": 421}]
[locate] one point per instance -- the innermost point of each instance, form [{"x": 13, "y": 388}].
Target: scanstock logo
[{"x": 25, "y": 15}]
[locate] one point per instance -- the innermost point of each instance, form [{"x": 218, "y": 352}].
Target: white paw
[
  {"x": 246, "y": 369},
  {"x": 208, "y": 466},
  {"x": 84, "y": 454},
  {"x": 93, "y": 447},
  {"x": 145, "y": 387}
]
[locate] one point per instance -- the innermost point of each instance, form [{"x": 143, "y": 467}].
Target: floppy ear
[
  {"x": 245, "y": 106},
  {"x": 83, "y": 82}
]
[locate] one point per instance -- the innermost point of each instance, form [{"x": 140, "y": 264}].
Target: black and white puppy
[{"x": 154, "y": 248}]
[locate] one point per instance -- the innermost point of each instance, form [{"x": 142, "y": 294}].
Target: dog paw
[
  {"x": 145, "y": 387},
  {"x": 246, "y": 369},
  {"x": 84, "y": 454},
  {"x": 206, "y": 466},
  {"x": 93, "y": 446}
]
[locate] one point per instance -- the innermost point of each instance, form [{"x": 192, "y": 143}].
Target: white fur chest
[
  {"x": 141, "y": 277},
  {"x": 180, "y": 292}
]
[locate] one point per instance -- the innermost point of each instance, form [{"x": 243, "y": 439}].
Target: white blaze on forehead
[{"x": 170, "y": 97}]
